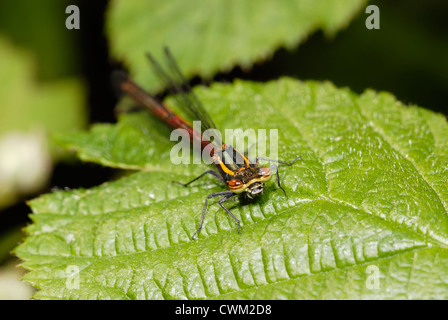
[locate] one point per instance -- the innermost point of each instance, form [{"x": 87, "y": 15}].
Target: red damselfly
[{"x": 233, "y": 168}]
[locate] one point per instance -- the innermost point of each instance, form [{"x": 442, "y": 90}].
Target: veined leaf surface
[{"x": 365, "y": 214}]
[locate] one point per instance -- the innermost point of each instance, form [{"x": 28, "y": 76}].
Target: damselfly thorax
[{"x": 233, "y": 168}]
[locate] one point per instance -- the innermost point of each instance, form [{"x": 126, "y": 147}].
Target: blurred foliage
[
  {"x": 26, "y": 104},
  {"x": 30, "y": 110},
  {"x": 11, "y": 288},
  {"x": 407, "y": 56},
  {"x": 40, "y": 93},
  {"x": 9, "y": 240},
  {"x": 211, "y": 36},
  {"x": 39, "y": 26}
]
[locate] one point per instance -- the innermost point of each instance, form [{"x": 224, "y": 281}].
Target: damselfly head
[
  {"x": 250, "y": 181},
  {"x": 255, "y": 186}
]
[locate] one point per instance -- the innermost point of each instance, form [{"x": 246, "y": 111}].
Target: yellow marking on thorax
[
  {"x": 223, "y": 165},
  {"x": 246, "y": 161},
  {"x": 244, "y": 157}
]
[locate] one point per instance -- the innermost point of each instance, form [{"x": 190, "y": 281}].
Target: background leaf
[
  {"x": 30, "y": 110},
  {"x": 370, "y": 194},
  {"x": 212, "y": 36},
  {"x": 44, "y": 88}
]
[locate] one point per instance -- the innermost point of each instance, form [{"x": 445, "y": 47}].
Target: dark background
[{"x": 408, "y": 57}]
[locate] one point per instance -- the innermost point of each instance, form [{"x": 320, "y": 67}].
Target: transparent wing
[{"x": 173, "y": 79}]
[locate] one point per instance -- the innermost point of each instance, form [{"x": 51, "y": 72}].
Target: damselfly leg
[
  {"x": 278, "y": 161},
  {"x": 211, "y": 172},
  {"x": 226, "y": 195},
  {"x": 275, "y": 167}
]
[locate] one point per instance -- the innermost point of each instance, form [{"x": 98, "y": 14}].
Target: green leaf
[
  {"x": 365, "y": 214},
  {"x": 9, "y": 240},
  {"x": 54, "y": 47},
  {"x": 212, "y": 36},
  {"x": 26, "y": 104}
]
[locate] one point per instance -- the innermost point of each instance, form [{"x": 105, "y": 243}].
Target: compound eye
[
  {"x": 265, "y": 172},
  {"x": 235, "y": 183}
]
